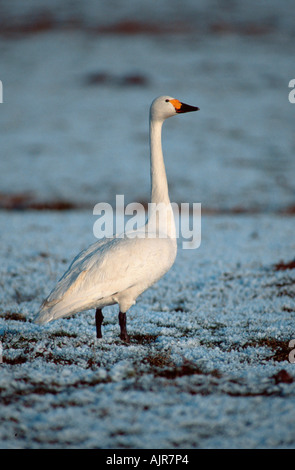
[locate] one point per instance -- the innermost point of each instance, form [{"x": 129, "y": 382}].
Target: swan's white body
[{"x": 118, "y": 270}]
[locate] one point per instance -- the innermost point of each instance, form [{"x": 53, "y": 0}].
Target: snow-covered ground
[
  {"x": 208, "y": 363},
  {"x": 208, "y": 344}
]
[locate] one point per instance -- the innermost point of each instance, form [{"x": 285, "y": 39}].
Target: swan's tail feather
[
  {"x": 49, "y": 312},
  {"x": 52, "y": 310},
  {"x": 43, "y": 317}
]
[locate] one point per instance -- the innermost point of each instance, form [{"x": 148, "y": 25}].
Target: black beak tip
[{"x": 187, "y": 108}]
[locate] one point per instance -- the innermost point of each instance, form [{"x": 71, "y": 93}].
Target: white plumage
[{"x": 117, "y": 270}]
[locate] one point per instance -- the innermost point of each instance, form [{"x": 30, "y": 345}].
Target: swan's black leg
[
  {"x": 122, "y": 322},
  {"x": 98, "y": 322}
]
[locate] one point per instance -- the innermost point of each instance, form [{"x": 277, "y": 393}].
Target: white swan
[{"x": 117, "y": 270}]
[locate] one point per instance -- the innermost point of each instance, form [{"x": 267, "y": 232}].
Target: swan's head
[{"x": 164, "y": 107}]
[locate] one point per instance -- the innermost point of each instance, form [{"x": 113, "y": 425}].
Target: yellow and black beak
[{"x": 182, "y": 107}]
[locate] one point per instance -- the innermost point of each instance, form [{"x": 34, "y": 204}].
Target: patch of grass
[
  {"x": 62, "y": 334},
  {"x": 20, "y": 341},
  {"x": 187, "y": 331},
  {"x": 158, "y": 360},
  {"x": 286, "y": 285},
  {"x": 213, "y": 344},
  {"x": 283, "y": 377},
  {"x": 280, "y": 348},
  {"x": 162, "y": 365},
  {"x": 15, "y": 360},
  {"x": 281, "y": 266},
  {"x": 288, "y": 309},
  {"x": 286, "y": 293},
  {"x": 13, "y": 316},
  {"x": 27, "y": 201},
  {"x": 143, "y": 339},
  {"x": 54, "y": 358},
  {"x": 180, "y": 371}
]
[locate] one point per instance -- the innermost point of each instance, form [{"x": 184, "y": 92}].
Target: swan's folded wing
[
  {"x": 105, "y": 271},
  {"x": 77, "y": 269}
]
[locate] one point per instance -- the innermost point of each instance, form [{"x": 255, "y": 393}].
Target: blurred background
[{"x": 78, "y": 79}]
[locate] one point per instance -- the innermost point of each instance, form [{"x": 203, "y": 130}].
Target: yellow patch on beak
[{"x": 177, "y": 104}]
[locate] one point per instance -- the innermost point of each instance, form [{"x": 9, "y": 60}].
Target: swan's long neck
[{"x": 159, "y": 185}]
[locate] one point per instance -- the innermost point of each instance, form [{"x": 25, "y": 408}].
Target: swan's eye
[{"x": 167, "y": 101}]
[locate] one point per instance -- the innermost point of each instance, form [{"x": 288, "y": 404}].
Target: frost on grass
[{"x": 207, "y": 365}]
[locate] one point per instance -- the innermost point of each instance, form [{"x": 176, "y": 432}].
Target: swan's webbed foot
[
  {"x": 98, "y": 322},
  {"x": 122, "y": 322}
]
